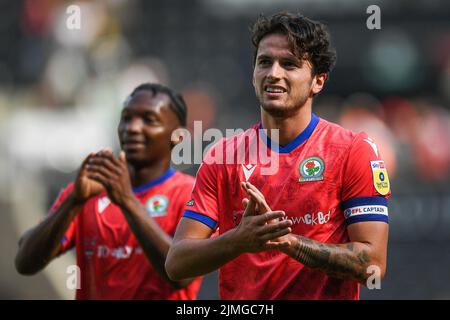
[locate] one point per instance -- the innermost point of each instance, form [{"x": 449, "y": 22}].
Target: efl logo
[
  {"x": 378, "y": 165},
  {"x": 369, "y": 209}
]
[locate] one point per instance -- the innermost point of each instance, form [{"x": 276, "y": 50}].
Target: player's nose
[
  {"x": 275, "y": 71},
  {"x": 133, "y": 125}
]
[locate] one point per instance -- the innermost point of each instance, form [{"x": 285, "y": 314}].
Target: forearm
[
  {"x": 154, "y": 241},
  {"x": 195, "y": 257},
  {"x": 344, "y": 261},
  {"x": 41, "y": 244}
]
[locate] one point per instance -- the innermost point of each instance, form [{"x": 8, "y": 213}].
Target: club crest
[
  {"x": 311, "y": 169},
  {"x": 157, "y": 206}
]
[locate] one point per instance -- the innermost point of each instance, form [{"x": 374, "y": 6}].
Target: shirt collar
[
  {"x": 166, "y": 175},
  {"x": 302, "y": 137}
]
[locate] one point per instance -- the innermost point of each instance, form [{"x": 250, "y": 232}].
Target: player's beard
[
  {"x": 288, "y": 109},
  {"x": 292, "y": 104}
]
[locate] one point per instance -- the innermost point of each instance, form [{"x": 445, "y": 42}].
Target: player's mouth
[
  {"x": 132, "y": 144},
  {"x": 273, "y": 91}
]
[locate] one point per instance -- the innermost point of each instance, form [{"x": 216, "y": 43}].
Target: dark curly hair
[
  {"x": 308, "y": 39},
  {"x": 177, "y": 103}
]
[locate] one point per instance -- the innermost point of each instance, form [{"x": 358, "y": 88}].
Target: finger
[
  {"x": 86, "y": 160},
  {"x": 104, "y": 151},
  {"x": 271, "y": 215},
  {"x": 101, "y": 170},
  {"x": 275, "y": 245},
  {"x": 274, "y": 227},
  {"x": 250, "y": 186},
  {"x": 259, "y": 200},
  {"x": 106, "y": 163},
  {"x": 276, "y": 234},
  {"x": 122, "y": 156},
  {"x": 258, "y": 192},
  {"x": 100, "y": 179},
  {"x": 250, "y": 210},
  {"x": 115, "y": 160},
  {"x": 245, "y": 202},
  {"x": 107, "y": 150},
  {"x": 257, "y": 196}
]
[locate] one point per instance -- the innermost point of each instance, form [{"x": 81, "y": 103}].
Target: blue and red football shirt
[
  {"x": 325, "y": 179},
  {"x": 111, "y": 260}
]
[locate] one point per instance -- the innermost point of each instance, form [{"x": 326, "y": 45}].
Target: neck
[
  {"x": 145, "y": 174},
  {"x": 289, "y": 127}
]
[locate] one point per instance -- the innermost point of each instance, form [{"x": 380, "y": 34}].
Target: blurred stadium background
[{"x": 61, "y": 92}]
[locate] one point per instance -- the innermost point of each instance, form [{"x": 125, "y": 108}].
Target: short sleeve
[
  {"x": 366, "y": 186},
  {"x": 182, "y": 196},
  {"x": 204, "y": 197},
  {"x": 68, "y": 240}
]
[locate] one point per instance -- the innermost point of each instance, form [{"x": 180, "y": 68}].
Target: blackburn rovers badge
[
  {"x": 311, "y": 169},
  {"x": 157, "y": 206}
]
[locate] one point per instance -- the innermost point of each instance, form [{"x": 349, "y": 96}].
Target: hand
[
  {"x": 283, "y": 241},
  {"x": 85, "y": 187},
  {"x": 112, "y": 173},
  {"x": 260, "y": 227}
]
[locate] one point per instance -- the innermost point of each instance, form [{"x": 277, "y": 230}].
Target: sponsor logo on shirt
[
  {"x": 311, "y": 169},
  {"x": 157, "y": 206},
  {"x": 312, "y": 219},
  {"x": 248, "y": 170},
  {"x": 380, "y": 177},
  {"x": 123, "y": 252},
  {"x": 102, "y": 204}
]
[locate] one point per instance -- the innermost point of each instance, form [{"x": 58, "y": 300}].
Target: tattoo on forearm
[{"x": 335, "y": 260}]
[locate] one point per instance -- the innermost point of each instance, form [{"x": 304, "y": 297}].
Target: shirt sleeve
[
  {"x": 68, "y": 240},
  {"x": 182, "y": 196},
  {"x": 366, "y": 186},
  {"x": 203, "y": 205}
]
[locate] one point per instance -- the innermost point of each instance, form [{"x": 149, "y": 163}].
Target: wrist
[
  {"x": 75, "y": 200},
  {"x": 291, "y": 250},
  {"x": 232, "y": 239},
  {"x": 128, "y": 202}
]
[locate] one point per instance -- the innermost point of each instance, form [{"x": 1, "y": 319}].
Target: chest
[
  {"x": 306, "y": 185},
  {"x": 105, "y": 222}
]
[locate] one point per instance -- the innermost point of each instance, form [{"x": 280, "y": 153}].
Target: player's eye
[
  {"x": 264, "y": 62},
  {"x": 289, "y": 64},
  {"x": 150, "y": 119},
  {"x": 125, "y": 117}
]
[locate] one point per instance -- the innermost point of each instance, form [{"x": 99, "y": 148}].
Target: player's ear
[
  {"x": 318, "y": 82},
  {"x": 177, "y": 136}
]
